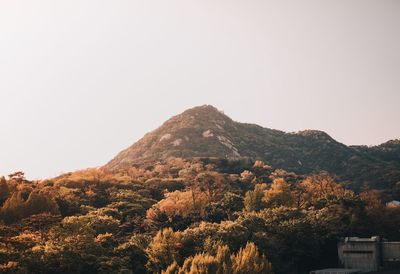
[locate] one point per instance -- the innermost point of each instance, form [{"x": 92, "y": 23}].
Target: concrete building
[{"x": 369, "y": 254}]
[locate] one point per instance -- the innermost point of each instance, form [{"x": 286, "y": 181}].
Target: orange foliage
[{"x": 181, "y": 203}]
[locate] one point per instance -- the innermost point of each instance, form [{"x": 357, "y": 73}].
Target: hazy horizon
[{"x": 81, "y": 80}]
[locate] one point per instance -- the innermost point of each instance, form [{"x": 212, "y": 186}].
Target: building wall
[
  {"x": 390, "y": 251},
  {"x": 369, "y": 254},
  {"x": 360, "y": 255},
  {"x": 391, "y": 255}
]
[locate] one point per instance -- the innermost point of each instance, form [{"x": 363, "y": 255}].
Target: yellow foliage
[
  {"x": 182, "y": 203},
  {"x": 249, "y": 261},
  {"x": 279, "y": 194}
]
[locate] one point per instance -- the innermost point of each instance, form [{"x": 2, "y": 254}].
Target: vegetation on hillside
[
  {"x": 203, "y": 215},
  {"x": 206, "y": 132}
]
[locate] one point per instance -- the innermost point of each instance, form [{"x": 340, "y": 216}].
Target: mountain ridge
[{"x": 205, "y": 131}]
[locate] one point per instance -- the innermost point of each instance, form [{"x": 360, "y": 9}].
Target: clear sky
[{"x": 80, "y": 80}]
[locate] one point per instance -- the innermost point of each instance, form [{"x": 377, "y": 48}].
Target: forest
[{"x": 199, "y": 215}]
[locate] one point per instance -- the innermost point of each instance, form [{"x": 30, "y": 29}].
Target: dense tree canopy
[{"x": 184, "y": 216}]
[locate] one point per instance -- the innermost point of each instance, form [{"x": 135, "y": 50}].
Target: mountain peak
[
  {"x": 204, "y": 131},
  {"x": 202, "y": 108},
  {"x": 198, "y": 118},
  {"x": 202, "y": 113}
]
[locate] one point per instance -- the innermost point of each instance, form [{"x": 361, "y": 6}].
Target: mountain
[
  {"x": 389, "y": 151},
  {"x": 207, "y": 132}
]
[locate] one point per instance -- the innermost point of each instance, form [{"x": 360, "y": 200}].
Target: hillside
[
  {"x": 207, "y": 132},
  {"x": 149, "y": 211}
]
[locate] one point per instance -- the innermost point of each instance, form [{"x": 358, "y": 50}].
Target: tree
[
  {"x": 18, "y": 176},
  {"x": 200, "y": 264},
  {"x": 209, "y": 182},
  {"x": 249, "y": 261},
  {"x": 38, "y": 203},
  {"x": 316, "y": 188},
  {"x": 181, "y": 203},
  {"x": 13, "y": 208},
  {"x": 246, "y": 261},
  {"x": 172, "y": 269},
  {"x": 246, "y": 177},
  {"x": 372, "y": 199},
  {"x": 4, "y": 190},
  {"x": 133, "y": 251},
  {"x": 225, "y": 208},
  {"x": 163, "y": 250},
  {"x": 253, "y": 201},
  {"x": 279, "y": 194}
]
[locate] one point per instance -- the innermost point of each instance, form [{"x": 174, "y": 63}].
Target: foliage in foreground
[{"x": 183, "y": 217}]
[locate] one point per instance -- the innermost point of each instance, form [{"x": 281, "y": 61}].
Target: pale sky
[{"x": 81, "y": 80}]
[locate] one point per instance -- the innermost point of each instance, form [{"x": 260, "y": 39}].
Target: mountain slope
[{"x": 206, "y": 132}]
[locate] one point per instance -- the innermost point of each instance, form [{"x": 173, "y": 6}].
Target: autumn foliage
[{"x": 184, "y": 216}]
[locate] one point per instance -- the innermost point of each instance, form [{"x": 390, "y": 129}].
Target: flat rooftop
[
  {"x": 356, "y": 239},
  {"x": 336, "y": 271}
]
